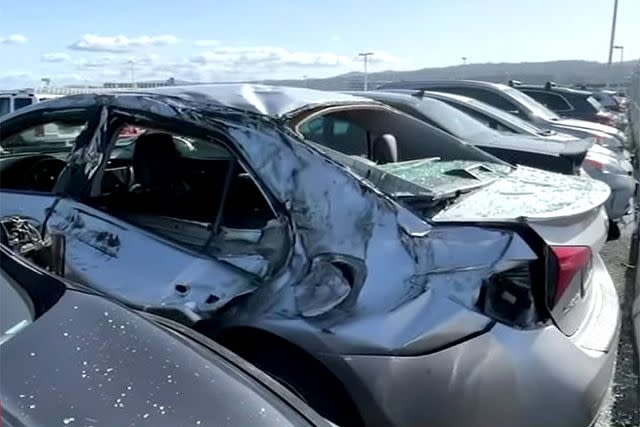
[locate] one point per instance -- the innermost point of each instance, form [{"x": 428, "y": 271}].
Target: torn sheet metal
[{"x": 414, "y": 281}]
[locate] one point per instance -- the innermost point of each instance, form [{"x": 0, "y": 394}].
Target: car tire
[{"x": 301, "y": 374}]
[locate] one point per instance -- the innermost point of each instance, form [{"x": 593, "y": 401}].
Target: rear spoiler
[{"x": 576, "y": 151}]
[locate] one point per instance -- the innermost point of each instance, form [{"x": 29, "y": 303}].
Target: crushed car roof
[
  {"x": 272, "y": 101},
  {"x": 275, "y": 101}
]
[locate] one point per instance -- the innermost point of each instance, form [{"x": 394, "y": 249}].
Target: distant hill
[{"x": 561, "y": 72}]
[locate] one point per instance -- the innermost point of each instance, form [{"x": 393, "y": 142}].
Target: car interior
[
  {"x": 191, "y": 191},
  {"x": 41, "y": 155}
]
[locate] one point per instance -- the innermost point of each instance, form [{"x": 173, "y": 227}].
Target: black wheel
[{"x": 300, "y": 373}]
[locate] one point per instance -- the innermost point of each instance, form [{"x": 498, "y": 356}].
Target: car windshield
[
  {"x": 508, "y": 118},
  {"x": 453, "y": 120},
  {"x": 605, "y": 99},
  {"x": 533, "y": 105},
  {"x": 44, "y": 138},
  {"x": 595, "y": 104},
  {"x": 422, "y": 178}
]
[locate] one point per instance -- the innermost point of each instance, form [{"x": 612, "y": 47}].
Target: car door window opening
[{"x": 189, "y": 190}]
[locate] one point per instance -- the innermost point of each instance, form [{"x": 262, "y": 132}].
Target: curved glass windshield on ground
[{"x": 533, "y": 105}]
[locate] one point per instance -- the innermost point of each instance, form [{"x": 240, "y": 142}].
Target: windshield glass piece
[{"x": 443, "y": 177}]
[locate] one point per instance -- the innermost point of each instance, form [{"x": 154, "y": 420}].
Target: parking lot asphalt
[{"x": 622, "y": 406}]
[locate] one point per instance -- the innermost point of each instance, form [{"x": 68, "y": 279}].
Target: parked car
[
  {"x": 513, "y": 101},
  {"x": 600, "y": 163},
  {"x": 610, "y": 99},
  {"x": 417, "y": 285},
  {"x": 13, "y": 100},
  {"x": 70, "y": 356},
  {"x": 555, "y": 156},
  {"x": 572, "y": 103}
]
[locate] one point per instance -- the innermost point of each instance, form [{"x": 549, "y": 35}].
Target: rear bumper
[{"x": 504, "y": 377}]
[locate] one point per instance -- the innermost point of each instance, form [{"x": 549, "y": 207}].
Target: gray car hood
[{"x": 504, "y": 194}]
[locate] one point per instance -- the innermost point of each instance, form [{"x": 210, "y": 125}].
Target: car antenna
[{"x": 419, "y": 94}]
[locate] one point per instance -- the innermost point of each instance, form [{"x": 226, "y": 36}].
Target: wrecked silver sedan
[{"x": 408, "y": 280}]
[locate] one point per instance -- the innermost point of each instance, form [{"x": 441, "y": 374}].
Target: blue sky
[{"x": 89, "y": 41}]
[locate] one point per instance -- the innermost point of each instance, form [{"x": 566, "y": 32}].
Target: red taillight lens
[
  {"x": 593, "y": 163},
  {"x": 571, "y": 261},
  {"x": 605, "y": 119}
]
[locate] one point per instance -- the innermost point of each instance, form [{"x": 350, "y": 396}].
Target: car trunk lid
[
  {"x": 584, "y": 124},
  {"x": 557, "y": 156},
  {"x": 566, "y": 211}
]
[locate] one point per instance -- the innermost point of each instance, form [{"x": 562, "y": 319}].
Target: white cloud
[
  {"x": 206, "y": 43},
  {"x": 118, "y": 44},
  {"x": 382, "y": 57},
  {"x": 268, "y": 57},
  {"x": 117, "y": 61},
  {"x": 13, "y": 39},
  {"x": 56, "y": 57}
]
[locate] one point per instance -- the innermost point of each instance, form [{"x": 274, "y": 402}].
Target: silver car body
[
  {"x": 402, "y": 332},
  {"x": 601, "y": 163}
]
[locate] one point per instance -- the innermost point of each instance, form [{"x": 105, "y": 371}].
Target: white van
[{"x": 12, "y": 100}]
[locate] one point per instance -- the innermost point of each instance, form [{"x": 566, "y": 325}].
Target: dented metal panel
[
  {"x": 407, "y": 264},
  {"x": 365, "y": 280}
]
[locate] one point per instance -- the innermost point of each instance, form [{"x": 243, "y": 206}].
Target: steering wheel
[{"x": 43, "y": 173}]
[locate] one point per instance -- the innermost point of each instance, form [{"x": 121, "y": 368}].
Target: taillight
[
  {"x": 573, "y": 261},
  {"x": 507, "y": 296},
  {"x": 604, "y": 118},
  {"x": 593, "y": 163}
]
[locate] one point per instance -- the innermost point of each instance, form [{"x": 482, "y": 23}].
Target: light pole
[
  {"x": 366, "y": 56},
  {"x": 613, "y": 29},
  {"x": 621, "y": 49},
  {"x": 133, "y": 80}
]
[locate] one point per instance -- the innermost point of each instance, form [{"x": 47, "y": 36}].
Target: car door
[
  {"x": 36, "y": 149},
  {"x": 137, "y": 264}
]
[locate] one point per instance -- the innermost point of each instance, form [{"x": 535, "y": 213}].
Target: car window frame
[
  {"x": 23, "y": 121},
  {"x": 119, "y": 117}
]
